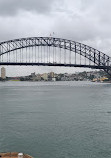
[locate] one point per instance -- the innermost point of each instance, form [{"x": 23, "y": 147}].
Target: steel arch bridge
[{"x": 11, "y": 53}]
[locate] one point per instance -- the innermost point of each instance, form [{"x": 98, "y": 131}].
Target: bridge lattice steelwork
[{"x": 50, "y": 51}]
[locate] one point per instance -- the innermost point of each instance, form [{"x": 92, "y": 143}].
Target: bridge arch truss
[{"x": 99, "y": 59}]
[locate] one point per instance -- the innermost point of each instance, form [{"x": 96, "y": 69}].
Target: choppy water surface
[{"x": 56, "y": 119}]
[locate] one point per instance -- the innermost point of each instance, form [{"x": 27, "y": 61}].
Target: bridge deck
[{"x": 54, "y": 64}]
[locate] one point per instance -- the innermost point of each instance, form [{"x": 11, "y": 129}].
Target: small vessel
[{"x": 14, "y": 155}]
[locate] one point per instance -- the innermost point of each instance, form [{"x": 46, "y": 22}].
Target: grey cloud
[
  {"x": 11, "y": 7},
  {"x": 81, "y": 20}
]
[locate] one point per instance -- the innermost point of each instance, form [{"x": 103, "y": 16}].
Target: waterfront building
[
  {"x": 3, "y": 73},
  {"x": 45, "y": 76},
  {"x": 53, "y": 79},
  {"x": 38, "y": 77},
  {"x": 51, "y": 74},
  {"x": 33, "y": 74}
]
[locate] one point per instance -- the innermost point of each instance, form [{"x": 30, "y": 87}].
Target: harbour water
[{"x": 56, "y": 119}]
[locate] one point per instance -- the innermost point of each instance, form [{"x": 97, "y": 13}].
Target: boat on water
[{"x": 14, "y": 155}]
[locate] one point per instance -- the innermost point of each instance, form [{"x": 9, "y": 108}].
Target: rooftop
[{"x": 13, "y": 155}]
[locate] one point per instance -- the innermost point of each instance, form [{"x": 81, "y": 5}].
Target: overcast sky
[{"x": 86, "y": 21}]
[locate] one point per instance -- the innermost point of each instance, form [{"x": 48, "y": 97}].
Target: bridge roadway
[{"x": 53, "y": 64}]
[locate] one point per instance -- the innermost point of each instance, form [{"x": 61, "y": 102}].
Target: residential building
[{"x": 45, "y": 76}]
